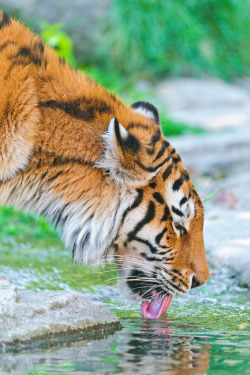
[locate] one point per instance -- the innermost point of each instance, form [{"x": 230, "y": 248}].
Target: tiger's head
[{"x": 159, "y": 246}]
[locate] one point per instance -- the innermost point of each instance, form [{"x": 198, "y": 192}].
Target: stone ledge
[{"x": 28, "y": 316}]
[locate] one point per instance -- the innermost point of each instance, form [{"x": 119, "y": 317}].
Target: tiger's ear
[
  {"x": 119, "y": 157},
  {"x": 148, "y": 110},
  {"x": 121, "y": 137}
]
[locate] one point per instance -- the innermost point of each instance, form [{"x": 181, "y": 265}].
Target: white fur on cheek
[{"x": 173, "y": 198}]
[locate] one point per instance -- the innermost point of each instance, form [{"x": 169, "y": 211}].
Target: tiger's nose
[{"x": 196, "y": 282}]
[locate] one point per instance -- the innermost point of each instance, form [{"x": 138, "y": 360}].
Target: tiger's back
[{"x": 100, "y": 170}]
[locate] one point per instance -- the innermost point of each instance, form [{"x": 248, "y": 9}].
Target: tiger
[{"x": 100, "y": 171}]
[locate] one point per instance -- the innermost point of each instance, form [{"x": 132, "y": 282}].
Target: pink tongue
[{"x": 157, "y": 307}]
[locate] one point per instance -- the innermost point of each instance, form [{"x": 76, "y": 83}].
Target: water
[{"x": 206, "y": 331}]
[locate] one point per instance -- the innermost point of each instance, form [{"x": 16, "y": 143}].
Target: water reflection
[
  {"x": 156, "y": 349},
  {"x": 142, "y": 347}
]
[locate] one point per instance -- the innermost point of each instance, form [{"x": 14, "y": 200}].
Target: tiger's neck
[{"x": 87, "y": 215}]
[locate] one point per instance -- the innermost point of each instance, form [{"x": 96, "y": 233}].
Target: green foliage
[
  {"x": 59, "y": 40},
  {"x": 154, "y": 37},
  {"x": 24, "y": 226},
  {"x": 170, "y": 127}
]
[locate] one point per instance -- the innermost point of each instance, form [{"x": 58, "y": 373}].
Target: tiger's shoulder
[{"x": 53, "y": 107}]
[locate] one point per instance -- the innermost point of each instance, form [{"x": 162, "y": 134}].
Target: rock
[
  {"x": 8, "y": 291},
  {"x": 37, "y": 315},
  {"x": 208, "y": 103},
  {"x": 227, "y": 240}
]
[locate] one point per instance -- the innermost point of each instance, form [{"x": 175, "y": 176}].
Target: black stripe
[
  {"x": 183, "y": 200},
  {"x": 117, "y": 132},
  {"x": 85, "y": 239},
  {"x": 167, "y": 172},
  {"x": 146, "y": 242},
  {"x": 160, "y": 235},
  {"x": 150, "y": 259},
  {"x": 169, "y": 249},
  {"x": 180, "y": 279},
  {"x": 54, "y": 177},
  {"x": 57, "y": 216},
  {"x": 73, "y": 250},
  {"x": 178, "y": 183},
  {"x": 155, "y": 138},
  {"x": 73, "y": 108},
  {"x": 59, "y": 160},
  {"x": 152, "y": 185},
  {"x": 26, "y": 53},
  {"x": 136, "y": 203},
  {"x": 153, "y": 169},
  {"x": 44, "y": 175},
  {"x": 177, "y": 212},
  {"x": 176, "y": 159},
  {"x": 137, "y": 126},
  {"x": 132, "y": 143},
  {"x": 24, "y": 57},
  {"x": 158, "y": 197},
  {"x": 168, "y": 261},
  {"x": 75, "y": 237},
  {"x": 185, "y": 175},
  {"x": 181, "y": 228},
  {"x": 45, "y": 210},
  {"x": 175, "y": 286},
  {"x": 5, "y": 20},
  {"x": 149, "y": 216},
  {"x": 63, "y": 222},
  {"x": 150, "y": 151},
  {"x": 176, "y": 271},
  {"x": 162, "y": 252},
  {"x": 113, "y": 97},
  {"x": 165, "y": 144},
  {"x": 166, "y": 214},
  {"x": 40, "y": 47}
]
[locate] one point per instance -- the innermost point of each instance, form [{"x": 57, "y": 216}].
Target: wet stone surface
[
  {"x": 28, "y": 315},
  {"x": 209, "y": 103}
]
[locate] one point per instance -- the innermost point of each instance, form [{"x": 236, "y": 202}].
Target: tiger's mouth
[
  {"x": 156, "y": 305},
  {"x": 155, "y": 300}
]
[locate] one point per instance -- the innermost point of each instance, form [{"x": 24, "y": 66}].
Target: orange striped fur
[{"x": 98, "y": 169}]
